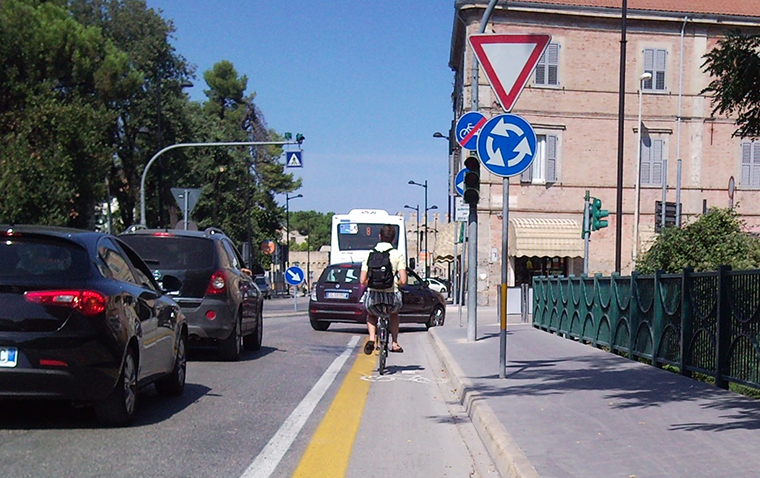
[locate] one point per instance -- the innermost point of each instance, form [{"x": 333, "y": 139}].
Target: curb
[{"x": 508, "y": 457}]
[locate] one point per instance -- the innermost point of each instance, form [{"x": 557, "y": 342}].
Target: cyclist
[{"x": 385, "y": 296}]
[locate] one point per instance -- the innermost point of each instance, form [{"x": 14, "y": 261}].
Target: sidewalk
[{"x": 569, "y": 410}]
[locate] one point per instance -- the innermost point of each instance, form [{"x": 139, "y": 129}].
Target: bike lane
[{"x": 407, "y": 422}]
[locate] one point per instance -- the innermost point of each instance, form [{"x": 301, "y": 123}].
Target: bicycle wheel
[{"x": 383, "y": 352}]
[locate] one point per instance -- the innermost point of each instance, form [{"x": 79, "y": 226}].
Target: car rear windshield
[
  {"x": 344, "y": 275},
  {"x": 173, "y": 252},
  {"x": 25, "y": 257}
]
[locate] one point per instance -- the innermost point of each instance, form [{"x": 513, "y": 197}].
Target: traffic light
[
  {"x": 472, "y": 179},
  {"x": 597, "y": 213}
]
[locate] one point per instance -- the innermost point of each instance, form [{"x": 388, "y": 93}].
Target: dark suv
[{"x": 222, "y": 303}]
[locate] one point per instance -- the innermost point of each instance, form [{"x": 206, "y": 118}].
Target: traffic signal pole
[{"x": 586, "y": 231}]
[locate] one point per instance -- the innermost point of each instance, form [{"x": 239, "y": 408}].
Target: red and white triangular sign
[{"x": 508, "y": 61}]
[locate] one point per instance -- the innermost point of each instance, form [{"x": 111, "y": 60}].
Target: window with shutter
[
  {"x": 651, "y": 162},
  {"x": 750, "y": 175},
  {"x": 544, "y": 167},
  {"x": 655, "y": 61},
  {"x": 547, "y": 69}
]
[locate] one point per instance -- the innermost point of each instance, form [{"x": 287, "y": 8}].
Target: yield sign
[{"x": 508, "y": 61}]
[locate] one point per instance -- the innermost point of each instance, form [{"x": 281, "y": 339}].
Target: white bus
[{"x": 356, "y": 233}]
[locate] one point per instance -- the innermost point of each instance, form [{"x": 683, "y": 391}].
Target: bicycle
[{"x": 383, "y": 330}]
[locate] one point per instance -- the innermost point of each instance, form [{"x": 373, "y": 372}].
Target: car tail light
[
  {"x": 88, "y": 302},
  {"x": 210, "y": 315},
  {"x": 217, "y": 284},
  {"x": 163, "y": 234}
]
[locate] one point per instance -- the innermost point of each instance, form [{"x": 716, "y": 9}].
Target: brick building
[{"x": 572, "y": 101}]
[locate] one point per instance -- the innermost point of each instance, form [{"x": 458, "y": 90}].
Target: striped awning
[{"x": 545, "y": 237}]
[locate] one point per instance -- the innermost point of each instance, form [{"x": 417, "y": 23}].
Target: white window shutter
[
  {"x": 746, "y": 179},
  {"x": 755, "y": 164},
  {"x": 527, "y": 175},
  {"x": 646, "y": 163},
  {"x": 659, "y": 66},
  {"x": 551, "y": 159},
  {"x": 657, "y": 162}
]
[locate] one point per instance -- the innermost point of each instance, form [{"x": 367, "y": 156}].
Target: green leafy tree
[
  {"x": 238, "y": 184},
  {"x": 151, "y": 111},
  {"x": 714, "y": 239},
  {"x": 734, "y": 65},
  {"x": 314, "y": 224},
  {"x": 56, "y": 80}
]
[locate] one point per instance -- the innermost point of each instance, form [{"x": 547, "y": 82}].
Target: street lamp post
[
  {"x": 287, "y": 225},
  {"x": 425, "y": 185},
  {"x": 417, "y": 237},
  {"x": 644, "y": 77}
]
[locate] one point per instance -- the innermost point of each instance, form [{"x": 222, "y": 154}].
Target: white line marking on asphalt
[{"x": 266, "y": 462}]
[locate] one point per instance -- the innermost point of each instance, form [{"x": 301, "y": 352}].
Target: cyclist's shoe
[
  {"x": 397, "y": 349},
  {"x": 369, "y": 347}
]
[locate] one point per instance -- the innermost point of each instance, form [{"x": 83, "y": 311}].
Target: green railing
[{"x": 707, "y": 322}]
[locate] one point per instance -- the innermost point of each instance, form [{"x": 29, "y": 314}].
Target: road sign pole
[
  {"x": 472, "y": 275},
  {"x": 586, "y": 231},
  {"x": 504, "y": 279}
]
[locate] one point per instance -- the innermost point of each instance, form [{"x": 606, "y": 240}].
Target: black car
[
  {"x": 222, "y": 303},
  {"x": 82, "y": 319},
  {"x": 338, "y": 297}
]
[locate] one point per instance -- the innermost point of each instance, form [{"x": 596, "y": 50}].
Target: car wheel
[
  {"x": 319, "y": 325},
  {"x": 253, "y": 341},
  {"x": 436, "y": 317},
  {"x": 231, "y": 347},
  {"x": 119, "y": 408},
  {"x": 174, "y": 383}
]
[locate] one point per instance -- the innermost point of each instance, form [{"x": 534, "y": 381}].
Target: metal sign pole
[
  {"x": 504, "y": 279},
  {"x": 187, "y": 200},
  {"x": 586, "y": 231},
  {"x": 462, "y": 262}
]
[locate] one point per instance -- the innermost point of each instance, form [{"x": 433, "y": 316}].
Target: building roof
[{"x": 743, "y": 8}]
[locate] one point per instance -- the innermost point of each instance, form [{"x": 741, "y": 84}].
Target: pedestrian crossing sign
[{"x": 294, "y": 159}]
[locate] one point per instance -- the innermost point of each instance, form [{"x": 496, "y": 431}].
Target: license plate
[
  {"x": 8, "y": 356},
  {"x": 336, "y": 295}
]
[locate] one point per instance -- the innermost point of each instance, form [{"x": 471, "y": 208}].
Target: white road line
[{"x": 266, "y": 462}]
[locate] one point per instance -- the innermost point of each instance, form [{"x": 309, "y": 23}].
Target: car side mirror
[
  {"x": 248, "y": 272},
  {"x": 411, "y": 263},
  {"x": 171, "y": 283},
  {"x": 426, "y": 282}
]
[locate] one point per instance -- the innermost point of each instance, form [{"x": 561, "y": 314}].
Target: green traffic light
[{"x": 597, "y": 213}]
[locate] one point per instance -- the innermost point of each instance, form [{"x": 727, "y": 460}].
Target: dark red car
[{"x": 337, "y": 297}]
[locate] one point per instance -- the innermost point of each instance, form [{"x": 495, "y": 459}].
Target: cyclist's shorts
[{"x": 380, "y": 303}]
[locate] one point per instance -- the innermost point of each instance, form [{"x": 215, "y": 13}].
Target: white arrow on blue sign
[
  {"x": 506, "y": 145},
  {"x": 294, "y": 275},
  {"x": 459, "y": 182}
]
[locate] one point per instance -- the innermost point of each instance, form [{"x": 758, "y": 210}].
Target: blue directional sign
[
  {"x": 467, "y": 129},
  {"x": 506, "y": 145},
  {"x": 294, "y": 159},
  {"x": 459, "y": 182},
  {"x": 294, "y": 275}
]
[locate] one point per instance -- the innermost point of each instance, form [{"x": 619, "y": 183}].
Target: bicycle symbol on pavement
[{"x": 414, "y": 378}]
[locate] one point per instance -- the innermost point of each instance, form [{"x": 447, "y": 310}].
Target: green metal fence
[{"x": 707, "y": 322}]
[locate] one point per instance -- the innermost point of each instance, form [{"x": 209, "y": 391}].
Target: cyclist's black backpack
[{"x": 380, "y": 273}]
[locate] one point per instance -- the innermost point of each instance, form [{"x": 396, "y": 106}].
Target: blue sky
[{"x": 367, "y": 84}]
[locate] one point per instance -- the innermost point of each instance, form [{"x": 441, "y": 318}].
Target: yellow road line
[{"x": 330, "y": 448}]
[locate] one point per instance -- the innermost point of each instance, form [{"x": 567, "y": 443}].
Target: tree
[
  {"x": 314, "y": 224},
  {"x": 734, "y": 65},
  {"x": 151, "y": 111},
  {"x": 239, "y": 183},
  {"x": 56, "y": 79},
  {"x": 714, "y": 239}
]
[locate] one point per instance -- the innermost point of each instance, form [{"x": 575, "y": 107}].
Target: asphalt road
[{"x": 237, "y": 419}]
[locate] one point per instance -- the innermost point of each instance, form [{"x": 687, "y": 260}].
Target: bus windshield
[{"x": 354, "y": 236}]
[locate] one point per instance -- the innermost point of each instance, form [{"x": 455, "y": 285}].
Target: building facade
[{"x": 572, "y": 101}]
